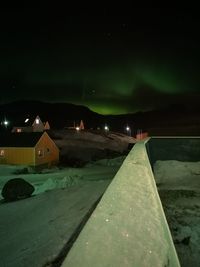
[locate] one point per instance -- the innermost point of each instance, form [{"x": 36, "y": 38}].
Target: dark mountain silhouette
[
  {"x": 175, "y": 119},
  {"x": 59, "y": 115}
]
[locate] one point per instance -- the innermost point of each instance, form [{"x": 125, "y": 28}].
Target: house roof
[{"x": 20, "y": 139}]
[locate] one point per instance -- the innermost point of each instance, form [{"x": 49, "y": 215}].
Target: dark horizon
[{"x": 60, "y": 114}]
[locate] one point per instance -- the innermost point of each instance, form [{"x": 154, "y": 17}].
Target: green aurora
[{"x": 114, "y": 65}]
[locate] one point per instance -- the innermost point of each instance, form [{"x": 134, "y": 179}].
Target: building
[
  {"x": 33, "y": 149},
  {"x": 82, "y": 127},
  {"x": 32, "y": 125},
  {"x": 46, "y": 125},
  {"x": 141, "y": 135},
  {"x": 76, "y": 126}
]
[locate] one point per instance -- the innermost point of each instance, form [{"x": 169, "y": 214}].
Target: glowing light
[
  {"x": 37, "y": 121},
  {"x": 106, "y": 128},
  {"x": 77, "y": 128},
  {"x": 128, "y": 130},
  {"x": 5, "y": 123},
  {"x": 26, "y": 120}
]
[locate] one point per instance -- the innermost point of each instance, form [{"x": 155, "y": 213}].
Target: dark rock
[
  {"x": 186, "y": 240},
  {"x": 16, "y": 189}
]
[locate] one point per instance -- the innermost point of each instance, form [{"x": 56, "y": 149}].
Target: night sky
[{"x": 111, "y": 62}]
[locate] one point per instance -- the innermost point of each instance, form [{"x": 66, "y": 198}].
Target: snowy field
[
  {"x": 179, "y": 189},
  {"x": 34, "y": 231}
]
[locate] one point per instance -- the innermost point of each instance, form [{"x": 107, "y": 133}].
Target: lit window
[
  {"x": 40, "y": 153},
  {"x": 2, "y": 153},
  {"x": 19, "y": 130},
  {"x": 37, "y": 121}
]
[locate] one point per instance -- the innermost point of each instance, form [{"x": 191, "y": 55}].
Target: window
[
  {"x": 37, "y": 121},
  {"x": 40, "y": 153},
  {"x": 48, "y": 150},
  {"x": 19, "y": 130},
  {"x": 2, "y": 153}
]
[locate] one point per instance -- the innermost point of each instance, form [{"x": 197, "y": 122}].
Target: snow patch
[{"x": 51, "y": 183}]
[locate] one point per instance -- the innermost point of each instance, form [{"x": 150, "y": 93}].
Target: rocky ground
[{"x": 179, "y": 190}]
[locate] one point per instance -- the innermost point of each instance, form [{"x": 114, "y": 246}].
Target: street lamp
[
  {"x": 5, "y": 122},
  {"x": 106, "y": 128},
  {"x": 128, "y": 130}
]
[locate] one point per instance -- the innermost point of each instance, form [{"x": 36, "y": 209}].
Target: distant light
[
  {"x": 5, "y": 123},
  {"x": 26, "y": 120},
  {"x": 106, "y": 128},
  {"x": 128, "y": 130},
  {"x": 37, "y": 121},
  {"x": 77, "y": 128}
]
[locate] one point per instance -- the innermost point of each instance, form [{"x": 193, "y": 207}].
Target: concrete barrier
[{"x": 128, "y": 226}]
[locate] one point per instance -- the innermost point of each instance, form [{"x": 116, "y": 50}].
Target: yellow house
[{"x": 33, "y": 149}]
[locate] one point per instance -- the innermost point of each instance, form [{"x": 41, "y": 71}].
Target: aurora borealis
[{"x": 112, "y": 63}]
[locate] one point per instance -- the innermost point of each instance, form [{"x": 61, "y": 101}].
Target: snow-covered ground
[
  {"x": 54, "y": 178},
  {"x": 33, "y": 231},
  {"x": 179, "y": 188}
]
